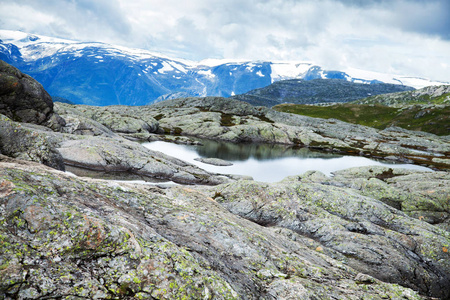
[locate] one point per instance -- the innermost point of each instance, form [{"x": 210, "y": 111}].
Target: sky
[{"x": 404, "y": 37}]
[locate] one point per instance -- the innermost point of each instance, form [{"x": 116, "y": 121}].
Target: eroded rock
[
  {"x": 235, "y": 121},
  {"x": 119, "y": 155}
]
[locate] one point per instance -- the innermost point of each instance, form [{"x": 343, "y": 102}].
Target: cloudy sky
[{"x": 405, "y": 37}]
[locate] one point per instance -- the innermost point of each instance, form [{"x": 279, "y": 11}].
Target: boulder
[{"x": 23, "y": 99}]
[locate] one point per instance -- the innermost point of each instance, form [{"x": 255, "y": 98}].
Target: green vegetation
[
  {"x": 430, "y": 118},
  {"x": 406, "y": 98}
]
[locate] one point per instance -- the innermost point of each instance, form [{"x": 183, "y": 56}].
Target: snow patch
[
  {"x": 207, "y": 73},
  {"x": 414, "y": 82},
  {"x": 289, "y": 70},
  {"x": 165, "y": 68}
]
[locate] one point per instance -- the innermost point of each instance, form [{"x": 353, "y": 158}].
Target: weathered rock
[
  {"x": 67, "y": 237},
  {"x": 214, "y": 161},
  {"x": 106, "y": 152},
  {"x": 23, "y": 99},
  {"x": 120, "y": 155},
  {"x": 422, "y": 195},
  {"x": 19, "y": 141},
  {"x": 79, "y": 124},
  {"x": 350, "y": 224},
  {"x": 119, "y": 119},
  {"x": 184, "y": 140}
]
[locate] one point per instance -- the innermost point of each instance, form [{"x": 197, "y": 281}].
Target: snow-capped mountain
[{"x": 102, "y": 74}]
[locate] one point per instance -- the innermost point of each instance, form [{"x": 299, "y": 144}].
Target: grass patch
[
  {"x": 433, "y": 119},
  {"x": 226, "y": 120},
  {"x": 158, "y": 117}
]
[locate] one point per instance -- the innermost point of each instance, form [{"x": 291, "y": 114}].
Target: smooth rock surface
[{"x": 22, "y": 141}]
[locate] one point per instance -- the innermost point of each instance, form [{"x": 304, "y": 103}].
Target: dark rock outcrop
[{"x": 23, "y": 99}]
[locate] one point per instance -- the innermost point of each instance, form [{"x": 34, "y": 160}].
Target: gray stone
[
  {"x": 214, "y": 161},
  {"x": 23, "y": 142},
  {"x": 119, "y": 155}
]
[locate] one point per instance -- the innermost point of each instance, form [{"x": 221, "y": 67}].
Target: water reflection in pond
[{"x": 268, "y": 163}]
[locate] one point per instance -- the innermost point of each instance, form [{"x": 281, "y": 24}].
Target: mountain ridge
[
  {"x": 101, "y": 74},
  {"x": 314, "y": 91}
]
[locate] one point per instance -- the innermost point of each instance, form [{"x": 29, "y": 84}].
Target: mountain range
[{"x": 101, "y": 74}]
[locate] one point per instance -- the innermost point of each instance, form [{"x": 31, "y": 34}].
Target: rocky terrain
[
  {"x": 25, "y": 100},
  {"x": 236, "y": 121},
  {"x": 428, "y": 95},
  {"x": 365, "y": 233}
]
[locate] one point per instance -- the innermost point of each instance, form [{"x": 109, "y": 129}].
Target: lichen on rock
[{"x": 68, "y": 237}]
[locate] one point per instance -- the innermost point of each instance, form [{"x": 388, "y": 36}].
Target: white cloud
[{"x": 409, "y": 37}]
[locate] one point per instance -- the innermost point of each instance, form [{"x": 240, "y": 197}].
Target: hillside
[
  {"x": 299, "y": 91},
  {"x": 425, "y": 109},
  {"x": 432, "y": 118},
  {"x": 428, "y": 95}
]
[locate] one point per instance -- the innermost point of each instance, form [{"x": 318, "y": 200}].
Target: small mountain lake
[{"x": 267, "y": 163}]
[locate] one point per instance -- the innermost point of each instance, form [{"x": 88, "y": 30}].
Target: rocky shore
[{"x": 365, "y": 233}]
